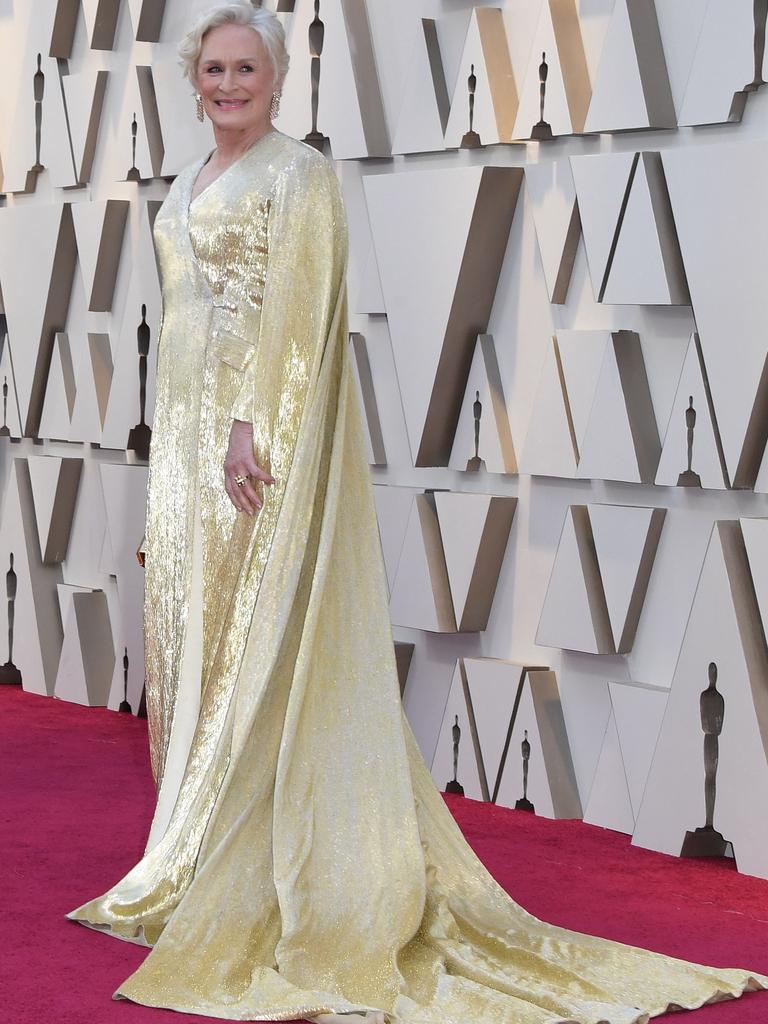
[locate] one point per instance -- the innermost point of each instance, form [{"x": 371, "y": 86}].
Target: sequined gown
[{"x": 300, "y": 859}]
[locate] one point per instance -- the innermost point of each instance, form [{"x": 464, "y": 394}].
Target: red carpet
[{"x": 76, "y": 804}]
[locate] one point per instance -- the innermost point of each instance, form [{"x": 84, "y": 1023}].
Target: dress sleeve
[{"x": 303, "y": 285}]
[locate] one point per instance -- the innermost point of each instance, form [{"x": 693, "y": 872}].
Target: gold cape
[{"x": 301, "y": 859}]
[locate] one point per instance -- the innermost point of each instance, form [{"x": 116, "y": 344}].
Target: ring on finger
[{"x": 240, "y": 480}]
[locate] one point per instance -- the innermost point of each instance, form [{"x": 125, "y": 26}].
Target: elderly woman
[{"x": 300, "y": 861}]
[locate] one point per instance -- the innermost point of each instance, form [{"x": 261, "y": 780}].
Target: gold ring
[{"x": 240, "y": 480}]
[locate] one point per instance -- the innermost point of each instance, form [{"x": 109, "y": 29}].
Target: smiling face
[{"x": 236, "y": 79}]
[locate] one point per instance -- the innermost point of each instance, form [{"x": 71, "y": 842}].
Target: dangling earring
[
  {"x": 274, "y": 107},
  {"x": 200, "y": 108}
]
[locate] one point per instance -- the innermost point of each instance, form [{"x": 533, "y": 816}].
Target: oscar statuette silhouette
[
  {"x": 707, "y": 841},
  {"x": 476, "y": 463},
  {"x": 471, "y": 140},
  {"x": 688, "y": 478},
  {"x": 542, "y": 130},
  {"x": 454, "y": 786},
  {"x": 9, "y": 674},
  {"x": 524, "y": 804},
  {"x": 39, "y": 93},
  {"x": 124, "y": 705},
  {"x": 4, "y": 431},
  {"x": 134, "y": 174},
  {"x": 141, "y": 435},
  {"x": 315, "y": 138}
]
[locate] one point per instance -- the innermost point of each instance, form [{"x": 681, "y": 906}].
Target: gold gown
[{"x": 301, "y": 860}]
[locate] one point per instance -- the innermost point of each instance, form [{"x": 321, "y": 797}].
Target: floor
[{"x": 76, "y": 804}]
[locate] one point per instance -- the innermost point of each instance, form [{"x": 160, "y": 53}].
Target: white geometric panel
[
  {"x": 123, "y": 410},
  {"x": 9, "y": 406},
  {"x": 421, "y": 596},
  {"x": 361, "y": 367},
  {"x": 100, "y": 22},
  {"x": 626, "y": 539},
  {"x": 575, "y": 615},
  {"x": 602, "y": 184},
  {"x": 755, "y": 533},
  {"x": 102, "y": 367},
  {"x": 551, "y": 783},
  {"x": 723, "y": 64},
  {"x": 558, "y": 36},
  {"x": 493, "y": 686},
  {"x": 761, "y": 483},
  {"x": 581, "y": 355},
  {"x": 632, "y": 86},
  {"x": 99, "y": 230},
  {"x": 647, "y": 266},
  {"x": 350, "y": 110},
  {"x": 552, "y": 195},
  {"x": 474, "y": 530},
  {"x": 60, "y": 392},
  {"x": 37, "y": 632},
  {"x": 457, "y": 713},
  {"x": 486, "y": 56},
  {"x": 363, "y": 281},
  {"x": 147, "y": 18},
  {"x": 724, "y": 647},
  {"x": 37, "y": 263},
  {"x": 34, "y": 111},
  {"x": 87, "y": 415},
  {"x": 419, "y": 279},
  {"x": 496, "y": 448},
  {"x": 726, "y": 262},
  {"x": 56, "y": 149},
  {"x": 131, "y": 145},
  {"x": 609, "y": 804},
  {"x": 637, "y": 711},
  {"x": 369, "y": 297},
  {"x": 87, "y": 655},
  {"x": 621, "y": 440},
  {"x": 84, "y": 94},
  {"x": 55, "y": 483},
  {"x": 439, "y": 279},
  {"x": 423, "y": 115},
  {"x": 550, "y": 442},
  {"x": 393, "y": 510},
  {"x": 693, "y": 402}
]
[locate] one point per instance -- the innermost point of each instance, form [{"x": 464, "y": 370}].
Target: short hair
[{"x": 236, "y": 12}]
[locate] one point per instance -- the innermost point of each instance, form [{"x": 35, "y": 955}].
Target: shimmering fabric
[{"x": 301, "y": 860}]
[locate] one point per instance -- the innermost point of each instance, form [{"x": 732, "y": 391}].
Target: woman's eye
[{"x": 216, "y": 69}]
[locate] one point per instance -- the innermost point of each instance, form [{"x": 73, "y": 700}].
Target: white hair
[{"x": 236, "y": 12}]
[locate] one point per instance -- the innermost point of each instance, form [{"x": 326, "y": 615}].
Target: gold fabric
[{"x": 306, "y": 863}]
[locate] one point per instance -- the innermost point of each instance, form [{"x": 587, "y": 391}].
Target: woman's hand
[{"x": 239, "y": 463}]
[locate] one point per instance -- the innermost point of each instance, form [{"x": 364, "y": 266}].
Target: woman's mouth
[{"x": 231, "y": 104}]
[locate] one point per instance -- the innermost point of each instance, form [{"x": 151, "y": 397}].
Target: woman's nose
[{"x": 228, "y": 81}]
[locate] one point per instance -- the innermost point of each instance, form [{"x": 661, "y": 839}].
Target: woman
[{"x": 301, "y": 862}]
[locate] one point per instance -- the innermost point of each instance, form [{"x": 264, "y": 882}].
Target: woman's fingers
[
  {"x": 250, "y": 497},
  {"x": 261, "y": 474},
  {"x": 232, "y": 494},
  {"x": 243, "y": 496}
]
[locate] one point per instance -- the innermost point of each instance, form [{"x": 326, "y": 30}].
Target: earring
[
  {"x": 274, "y": 107},
  {"x": 200, "y": 108}
]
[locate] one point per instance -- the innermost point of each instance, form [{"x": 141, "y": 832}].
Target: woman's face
[{"x": 235, "y": 77}]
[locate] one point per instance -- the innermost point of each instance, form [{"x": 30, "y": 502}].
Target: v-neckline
[{"x": 197, "y": 168}]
